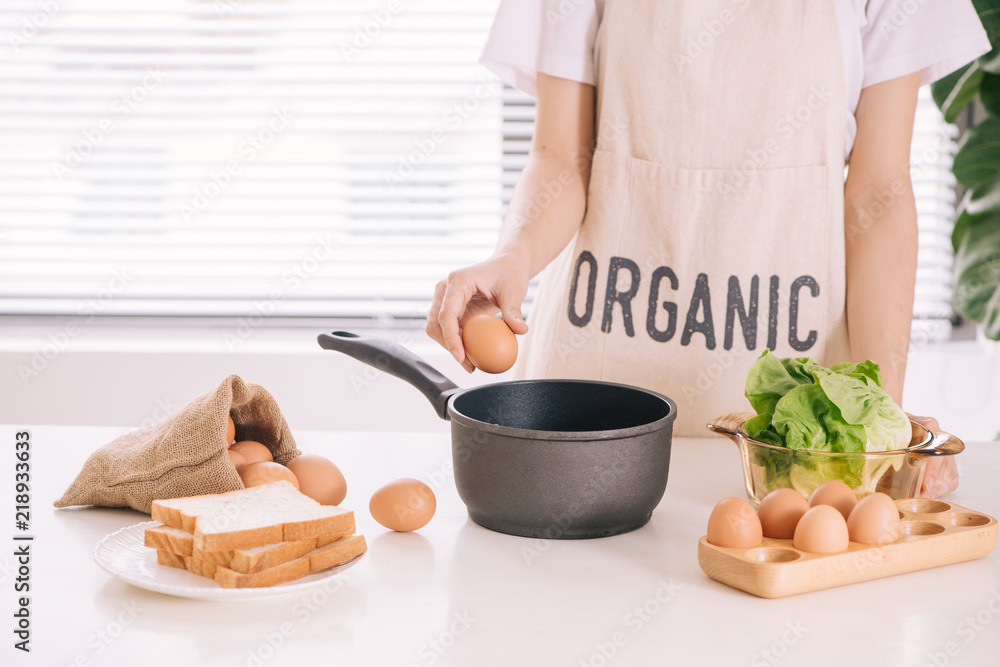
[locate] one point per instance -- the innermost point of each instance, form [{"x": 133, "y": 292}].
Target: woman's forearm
[
  {"x": 546, "y": 209},
  {"x": 880, "y": 220},
  {"x": 881, "y": 245}
]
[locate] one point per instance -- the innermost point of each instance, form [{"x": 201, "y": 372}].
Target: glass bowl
[{"x": 898, "y": 472}]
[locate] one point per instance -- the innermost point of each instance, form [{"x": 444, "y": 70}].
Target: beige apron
[{"x": 714, "y": 224}]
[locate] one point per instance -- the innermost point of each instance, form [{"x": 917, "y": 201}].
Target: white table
[{"x": 457, "y": 594}]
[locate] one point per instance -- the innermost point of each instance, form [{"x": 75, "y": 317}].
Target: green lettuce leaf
[
  {"x": 867, "y": 369},
  {"x": 806, "y": 418},
  {"x": 854, "y": 397},
  {"x": 807, "y": 475},
  {"x": 891, "y": 429},
  {"x": 769, "y": 379}
]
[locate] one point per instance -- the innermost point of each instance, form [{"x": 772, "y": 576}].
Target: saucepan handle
[{"x": 394, "y": 359}]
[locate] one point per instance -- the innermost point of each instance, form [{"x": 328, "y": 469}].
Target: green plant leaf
[
  {"x": 989, "y": 15},
  {"x": 984, "y": 199},
  {"x": 991, "y": 321},
  {"x": 979, "y": 205},
  {"x": 978, "y": 159},
  {"x": 977, "y": 267},
  {"x": 989, "y": 93},
  {"x": 962, "y": 224},
  {"x": 953, "y": 93},
  {"x": 976, "y": 236}
]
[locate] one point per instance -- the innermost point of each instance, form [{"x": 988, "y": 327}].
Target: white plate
[{"x": 124, "y": 555}]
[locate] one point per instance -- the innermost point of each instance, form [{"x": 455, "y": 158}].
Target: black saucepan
[{"x": 558, "y": 459}]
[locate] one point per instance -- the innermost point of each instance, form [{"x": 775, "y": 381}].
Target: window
[
  {"x": 222, "y": 158},
  {"x": 934, "y": 187},
  {"x": 285, "y": 160}
]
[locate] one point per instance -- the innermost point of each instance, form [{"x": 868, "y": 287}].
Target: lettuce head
[{"x": 805, "y": 406}]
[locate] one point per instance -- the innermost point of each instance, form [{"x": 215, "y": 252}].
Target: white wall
[{"x": 128, "y": 377}]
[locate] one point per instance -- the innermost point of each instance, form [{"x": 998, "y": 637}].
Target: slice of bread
[
  {"x": 322, "y": 558},
  {"x": 248, "y": 518},
  {"x": 174, "y": 540},
  {"x": 201, "y": 567},
  {"x": 170, "y": 559},
  {"x": 254, "y": 559},
  {"x": 193, "y": 565},
  {"x": 337, "y": 552}
]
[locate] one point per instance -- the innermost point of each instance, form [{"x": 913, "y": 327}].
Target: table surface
[{"x": 457, "y": 594}]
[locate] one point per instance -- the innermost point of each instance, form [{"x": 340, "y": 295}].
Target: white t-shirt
[{"x": 880, "y": 40}]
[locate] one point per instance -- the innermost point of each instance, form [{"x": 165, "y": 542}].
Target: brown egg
[
  {"x": 403, "y": 505},
  {"x": 733, "y": 523},
  {"x": 489, "y": 343},
  {"x": 821, "y": 530},
  {"x": 265, "y": 472},
  {"x": 836, "y": 494},
  {"x": 875, "y": 520},
  {"x": 237, "y": 459},
  {"x": 252, "y": 451},
  {"x": 319, "y": 479},
  {"x": 230, "y": 431},
  {"x": 780, "y": 511}
]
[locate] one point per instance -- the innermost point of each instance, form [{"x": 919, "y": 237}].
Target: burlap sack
[{"x": 184, "y": 455}]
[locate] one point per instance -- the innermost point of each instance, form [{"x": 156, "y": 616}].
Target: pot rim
[{"x": 563, "y": 436}]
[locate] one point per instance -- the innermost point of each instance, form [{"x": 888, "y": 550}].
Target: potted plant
[{"x": 976, "y": 237}]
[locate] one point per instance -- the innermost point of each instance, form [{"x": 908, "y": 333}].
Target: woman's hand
[
  {"x": 497, "y": 285},
  {"x": 545, "y": 212},
  {"x": 941, "y": 473}
]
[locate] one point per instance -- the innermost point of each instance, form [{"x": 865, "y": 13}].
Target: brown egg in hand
[
  {"x": 319, "y": 478},
  {"x": 489, "y": 343},
  {"x": 265, "y": 472}
]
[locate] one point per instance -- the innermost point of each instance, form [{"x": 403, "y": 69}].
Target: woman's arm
[
  {"x": 545, "y": 212},
  {"x": 880, "y": 221},
  {"x": 548, "y": 203},
  {"x": 881, "y": 234}
]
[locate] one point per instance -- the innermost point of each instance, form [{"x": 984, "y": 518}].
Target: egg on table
[
  {"x": 403, "y": 505},
  {"x": 319, "y": 478},
  {"x": 733, "y": 523},
  {"x": 265, "y": 472},
  {"x": 489, "y": 343}
]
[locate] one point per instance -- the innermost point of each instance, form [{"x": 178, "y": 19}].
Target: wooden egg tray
[{"x": 932, "y": 533}]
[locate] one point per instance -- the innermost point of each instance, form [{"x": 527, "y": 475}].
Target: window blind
[
  {"x": 297, "y": 159},
  {"x": 303, "y": 158},
  {"x": 934, "y": 187}
]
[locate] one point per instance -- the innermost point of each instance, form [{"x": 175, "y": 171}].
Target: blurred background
[{"x": 193, "y": 188}]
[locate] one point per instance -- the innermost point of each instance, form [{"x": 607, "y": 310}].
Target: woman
[{"x": 712, "y": 217}]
